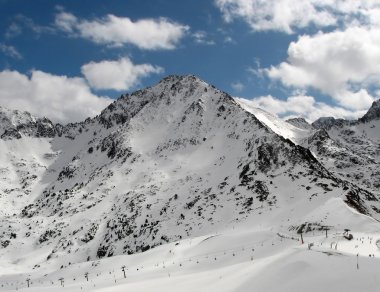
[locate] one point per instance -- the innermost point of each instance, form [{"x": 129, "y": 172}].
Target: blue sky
[{"x": 69, "y": 59}]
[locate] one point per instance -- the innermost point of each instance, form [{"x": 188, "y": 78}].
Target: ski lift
[{"x": 347, "y": 235}]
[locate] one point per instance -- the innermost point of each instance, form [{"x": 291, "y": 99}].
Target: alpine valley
[{"x": 189, "y": 188}]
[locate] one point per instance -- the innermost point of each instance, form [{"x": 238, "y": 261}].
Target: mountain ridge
[{"x": 172, "y": 161}]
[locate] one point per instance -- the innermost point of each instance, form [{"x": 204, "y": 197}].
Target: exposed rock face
[
  {"x": 300, "y": 123},
  {"x": 15, "y": 124},
  {"x": 326, "y": 123},
  {"x": 372, "y": 114},
  {"x": 352, "y": 149},
  {"x": 10, "y": 134}
]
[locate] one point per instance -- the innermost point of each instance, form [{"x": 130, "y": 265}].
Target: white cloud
[
  {"x": 340, "y": 60},
  {"x": 201, "y": 37},
  {"x": 237, "y": 86},
  {"x": 118, "y": 75},
  {"x": 289, "y": 15},
  {"x": 302, "y": 106},
  {"x": 342, "y": 64},
  {"x": 10, "y": 51},
  {"x": 66, "y": 21},
  {"x": 150, "y": 34},
  {"x": 281, "y": 15},
  {"x": 60, "y": 98}
]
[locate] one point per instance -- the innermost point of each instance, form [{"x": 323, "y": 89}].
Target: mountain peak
[
  {"x": 327, "y": 123},
  {"x": 172, "y": 94},
  {"x": 300, "y": 123},
  {"x": 373, "y": 113},
  {"x": 176, "y": 78},
  {"x": 15, "y": 123}
]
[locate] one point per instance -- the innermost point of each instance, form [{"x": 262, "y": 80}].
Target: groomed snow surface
[{"x": 238, "y": 259}]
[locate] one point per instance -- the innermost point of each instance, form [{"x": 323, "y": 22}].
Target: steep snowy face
[
  {"x": 293, "y": 131},
  {"x": 24, "y": 156},
  {"x": 373, "y": 113},
  {"x": 176, "y": 160}
]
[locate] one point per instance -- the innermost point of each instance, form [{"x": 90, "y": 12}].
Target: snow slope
[
  {"x": 177, "y": 162},
  {"x": 279, "y": 126},
  {"x": 239, "y": 259}
]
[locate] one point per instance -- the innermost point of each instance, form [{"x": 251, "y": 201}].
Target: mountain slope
[
  {"x": 177, "y": 160},
  {"x": 354, "y": 151},
  {"x": 347, "y": 148},
  {"x": 288, "y": 130}
]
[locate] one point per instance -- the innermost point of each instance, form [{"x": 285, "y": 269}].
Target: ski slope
[{"x": 239, "y": 259}]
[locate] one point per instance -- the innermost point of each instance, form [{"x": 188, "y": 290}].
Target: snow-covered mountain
[
  {"x": 347, "y": 148},
  {"x": 373, "y": 113},
  {"x": 300, "y": 123},
  {"x": 351, "y": 149},
  {"x": 14, "y": 124},
  {"x": 174, "y": 161}
]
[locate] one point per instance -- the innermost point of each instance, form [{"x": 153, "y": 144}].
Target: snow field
[{"x": 235, "y": 260}]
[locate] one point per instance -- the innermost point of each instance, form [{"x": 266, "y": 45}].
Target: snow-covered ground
[
  {"x": 243, "y": 257},
  {"x": 239, "y": 259}
]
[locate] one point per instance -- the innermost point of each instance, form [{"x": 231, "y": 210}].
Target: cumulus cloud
[
  {"x": 10, "y": 51},
  {"x": 118, "y": 75},
  {"x": 301, "y": 106},
  {"x": 149, "y": 34},
  {"x": 60, "y": 98},
  {"x": 289, "y": 15},
  {"x": 342, "y": 64},
  {"x": 340, "y": 60}
]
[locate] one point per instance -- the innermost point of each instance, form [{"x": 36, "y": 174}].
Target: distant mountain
[
  {"x": 348, "y": 148},
  {"x": 14, "y": 124},
  {"x": 300, "y": 123},
  {"x": 327, "y": 123},
  {"x": 352, "y": 148},
  {"x": 172, "y": 161}
]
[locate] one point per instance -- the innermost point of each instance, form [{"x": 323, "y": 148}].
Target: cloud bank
[
  {"x": 342, "y": 64},
  {"x": 289, "y": 16},
  {"x": 302, "y": 106},
  {"x": 60, "y": 98},
  {"x": 337, "y": 50}
]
